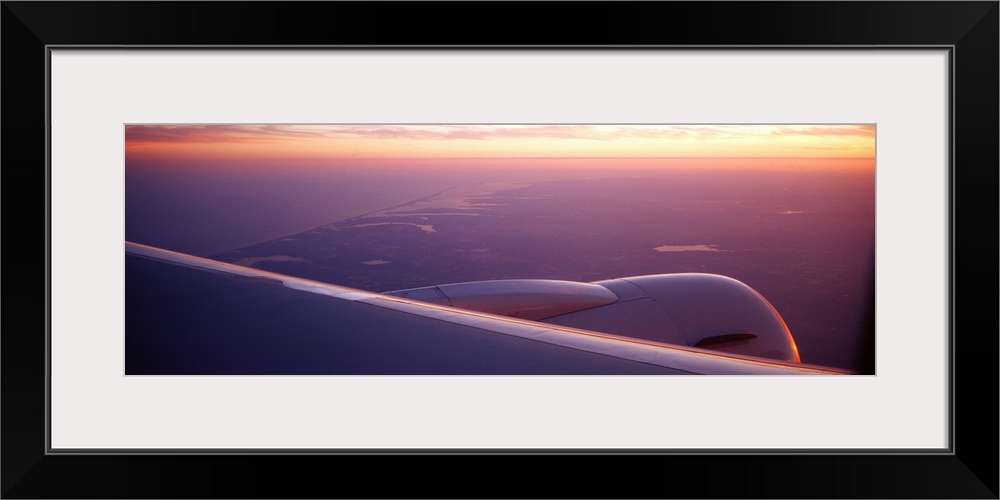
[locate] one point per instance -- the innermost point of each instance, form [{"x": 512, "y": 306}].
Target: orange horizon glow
[{"x": 323, "y": 144}]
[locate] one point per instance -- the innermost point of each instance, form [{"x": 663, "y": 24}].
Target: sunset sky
[{"x": 319, "y": 145}]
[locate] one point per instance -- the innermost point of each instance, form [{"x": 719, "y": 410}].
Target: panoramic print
[{"x": 477, "y": 249}]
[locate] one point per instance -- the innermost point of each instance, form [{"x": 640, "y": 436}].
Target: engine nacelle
[{"x": 698, "y": 310}]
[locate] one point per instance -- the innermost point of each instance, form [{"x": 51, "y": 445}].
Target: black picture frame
[{"x": 969, "y": 470}]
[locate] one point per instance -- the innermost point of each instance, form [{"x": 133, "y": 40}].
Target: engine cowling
[{"x": 692, "y": 309}]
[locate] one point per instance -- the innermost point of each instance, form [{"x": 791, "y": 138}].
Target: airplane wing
[{"x": 195, "y": 316}]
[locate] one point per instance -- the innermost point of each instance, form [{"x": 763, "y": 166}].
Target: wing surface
[{"x": 194, "y": 316}]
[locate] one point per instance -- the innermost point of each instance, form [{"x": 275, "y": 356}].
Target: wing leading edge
[{"x": 195, "y": 316}]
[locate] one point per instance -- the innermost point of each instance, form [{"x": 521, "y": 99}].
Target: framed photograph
[{"x": 181, "y": 132}]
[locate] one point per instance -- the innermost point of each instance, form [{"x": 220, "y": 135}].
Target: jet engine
[{"x": 690, "y": 309}]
